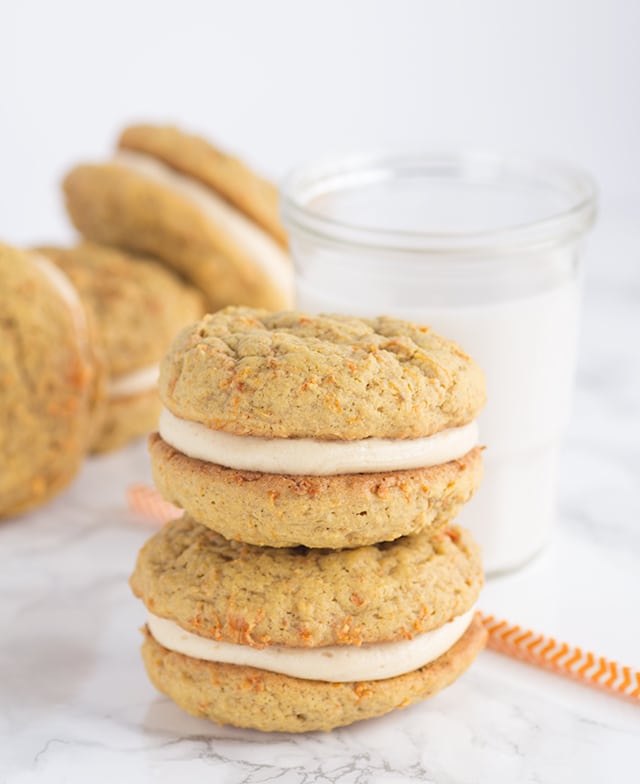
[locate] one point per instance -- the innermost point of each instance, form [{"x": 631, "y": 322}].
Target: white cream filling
[
  {"x": 143, "y": 380},
  {"x": 262, "y": 248},
  {"x": 65, "y": 290},
  {"x": 314, "y": 457},
  {"x": 335, "y": 663}
]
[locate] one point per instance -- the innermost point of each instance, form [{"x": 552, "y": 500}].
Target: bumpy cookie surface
[
  {"x": 248, "y": 697},
  {"x": 347, "y": 510},
  {"x": 46, "y": 380},
  {"x": 298, "y": 597},
  {"x": 228, "y": 176},
  {"x": 330, "y": 377},
  {"x": 113, "y": 205}
]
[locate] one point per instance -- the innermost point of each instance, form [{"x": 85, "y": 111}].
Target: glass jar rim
[{"x": 329, "y": 175}]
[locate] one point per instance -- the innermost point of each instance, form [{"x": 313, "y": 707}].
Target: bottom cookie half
[
  {"x": 344, "y": 510},
  {"x": 258, "y": 699}
]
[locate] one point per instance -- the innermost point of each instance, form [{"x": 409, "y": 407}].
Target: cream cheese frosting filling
[
  {"x": 263, "y": 249},
  {"x": 335, "y": 663},
  {"x": 314, "y": 457},
  {"x": 143, "y": 380}
]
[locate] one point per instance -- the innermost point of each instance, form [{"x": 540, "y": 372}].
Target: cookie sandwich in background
[
  {"x": 202, "y": 212},
  {"x": 135, "y": 306}
]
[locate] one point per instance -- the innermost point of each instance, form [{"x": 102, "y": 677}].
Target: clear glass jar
[{"x": 487, "y": 251}]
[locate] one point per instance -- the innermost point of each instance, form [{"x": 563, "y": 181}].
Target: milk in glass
[{"x": 512, "y": 307}]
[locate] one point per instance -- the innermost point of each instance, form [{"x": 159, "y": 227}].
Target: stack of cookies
[{"x": 315, "y": 578}]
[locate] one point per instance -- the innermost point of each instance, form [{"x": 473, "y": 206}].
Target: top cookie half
[
  {"x": 293, "y": 375},
  {"x": 195, "y": 157}
]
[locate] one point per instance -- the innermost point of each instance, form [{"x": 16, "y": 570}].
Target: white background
[{"x": 281, "y": 81}]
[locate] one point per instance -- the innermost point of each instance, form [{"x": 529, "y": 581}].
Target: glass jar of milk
[{"x": 486, "y": 250}]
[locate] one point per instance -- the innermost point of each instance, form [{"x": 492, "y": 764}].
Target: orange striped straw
[
  {"x": 504, "y": 637},
  {"x": 147, "y": 502},
  {"x": 562, "y": 658}
]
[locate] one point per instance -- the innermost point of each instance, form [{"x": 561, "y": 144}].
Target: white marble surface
[{"x": 75, "y": 705}]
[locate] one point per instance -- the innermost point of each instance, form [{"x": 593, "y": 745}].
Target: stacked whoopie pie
[
  {"x": 204, "y": 213},
  {"x": 315, "y": 578}
]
